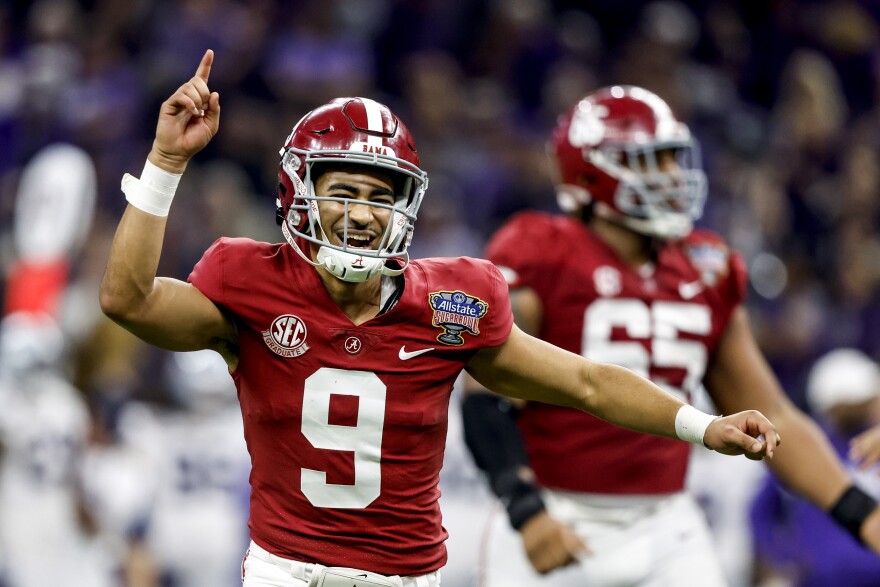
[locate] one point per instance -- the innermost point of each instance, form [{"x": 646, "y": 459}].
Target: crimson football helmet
[
  {"x": 621, "y": 151},
  {"x": 350, "y": 131}
]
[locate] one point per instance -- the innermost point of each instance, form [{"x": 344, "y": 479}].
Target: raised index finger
[{"x": 204, "y": 69}]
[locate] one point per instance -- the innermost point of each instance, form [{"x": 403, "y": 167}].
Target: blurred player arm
[
  {"x": 139, "y": 568},
  {"x": 166, "y": 312},
  {"x": 494, "y": 440},
  {"x": 491, "y": 433},
  {"x": 490, "y": 427},
  {"x": 738, "y": 377}
]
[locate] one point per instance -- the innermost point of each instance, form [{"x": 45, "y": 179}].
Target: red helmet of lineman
[
  {"x": 622, "y": 154},
  {"x": 356, "y": 131}
]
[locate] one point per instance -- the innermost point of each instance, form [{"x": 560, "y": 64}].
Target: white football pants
[
  {"x": 263, "y": 569},
  {"x": 635, "y": 542}
]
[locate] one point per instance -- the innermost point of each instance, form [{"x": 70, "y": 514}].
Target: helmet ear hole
[
  {"x": 587, "y": 179},
  {"x": 279, "y": 210}
]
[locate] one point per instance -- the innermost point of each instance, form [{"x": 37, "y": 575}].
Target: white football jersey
[
  {"x": 197, "y": 529},
  {"x": 44, "y": 426}
]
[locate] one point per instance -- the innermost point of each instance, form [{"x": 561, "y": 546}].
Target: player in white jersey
[
  {"x": 197, "y": 529},
  {"x": 45, "y": 533}
]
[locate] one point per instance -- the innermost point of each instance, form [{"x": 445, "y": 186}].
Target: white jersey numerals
[
  {"x": 364, "y": 439},
  {"x": 661, "y": 323}
]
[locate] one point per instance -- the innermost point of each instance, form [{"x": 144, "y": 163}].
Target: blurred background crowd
[{"x": 781, "y": 95}]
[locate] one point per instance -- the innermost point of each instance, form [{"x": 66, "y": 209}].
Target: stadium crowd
[{"x": 782, "y": 96}]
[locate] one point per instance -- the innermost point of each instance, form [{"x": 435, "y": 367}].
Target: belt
[{"x": 297, "y": 569}]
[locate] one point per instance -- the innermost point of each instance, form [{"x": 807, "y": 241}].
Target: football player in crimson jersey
[
  {"x": 625, "y": 278},
  {"x": 344, "y": 354}
]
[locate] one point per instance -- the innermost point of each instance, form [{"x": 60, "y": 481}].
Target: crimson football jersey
[
  {"x": 662, "y": 322},
  {"x": 346, "y": 425}
]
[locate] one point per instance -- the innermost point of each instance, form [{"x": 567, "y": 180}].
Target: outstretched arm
[
  {"x": 738, "y": 376},
  {"x": 528, "y": 368},
  {"x": 165, "y": 312}
]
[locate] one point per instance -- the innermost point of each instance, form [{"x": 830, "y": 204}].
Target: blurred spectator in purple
[{"x": 796, "y": 544}]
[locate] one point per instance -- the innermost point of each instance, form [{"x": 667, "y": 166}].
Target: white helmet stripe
[{"x": 374, "y": 121}]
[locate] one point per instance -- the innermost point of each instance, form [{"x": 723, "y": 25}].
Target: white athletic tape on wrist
[
  {"x": 153, "y": 192},
  {"x": 691, "y": 424}
]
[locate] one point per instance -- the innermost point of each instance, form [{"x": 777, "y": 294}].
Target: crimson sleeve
[
  {"x": 207, "y": 275},
  {"x": 739, "y": 278},
  {"x": 734, "y": 288},
  {"x": 722, "y": 268},
  {"x": 520, "y": 249},
  {"x": 501, "y": 322}
]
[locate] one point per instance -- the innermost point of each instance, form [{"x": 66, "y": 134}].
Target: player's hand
[
  {"x": 749, "y": 433},
  {"x": 550, "y": 544},
  {"x": 188, "y": 120},
  {"x": 865, "y": 448},
  {"x": 870, "y": 531}
]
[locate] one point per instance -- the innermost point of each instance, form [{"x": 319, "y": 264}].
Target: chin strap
[
  {"x": 666, "y": 227},
  {"x": 349, "y": 267},
  {"x": 344, "y": 265}
]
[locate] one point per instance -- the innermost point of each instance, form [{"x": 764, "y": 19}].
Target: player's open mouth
[{"x": 356, "y": 241}]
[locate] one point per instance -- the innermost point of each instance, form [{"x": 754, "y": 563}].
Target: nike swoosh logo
[
  {"x": 405, "y": 356},
  {"x": 690, "y": 290}
]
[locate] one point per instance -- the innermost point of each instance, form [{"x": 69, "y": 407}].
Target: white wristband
[
  {"x": 153, "y": 192},
  {"x": 691, "y": 424}
]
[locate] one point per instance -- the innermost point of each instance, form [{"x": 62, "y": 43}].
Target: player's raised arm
[
  {"x": 738, "y": 376},
  {"x": 528, "y": 368},
  {"x": 165, "y": 312}
]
